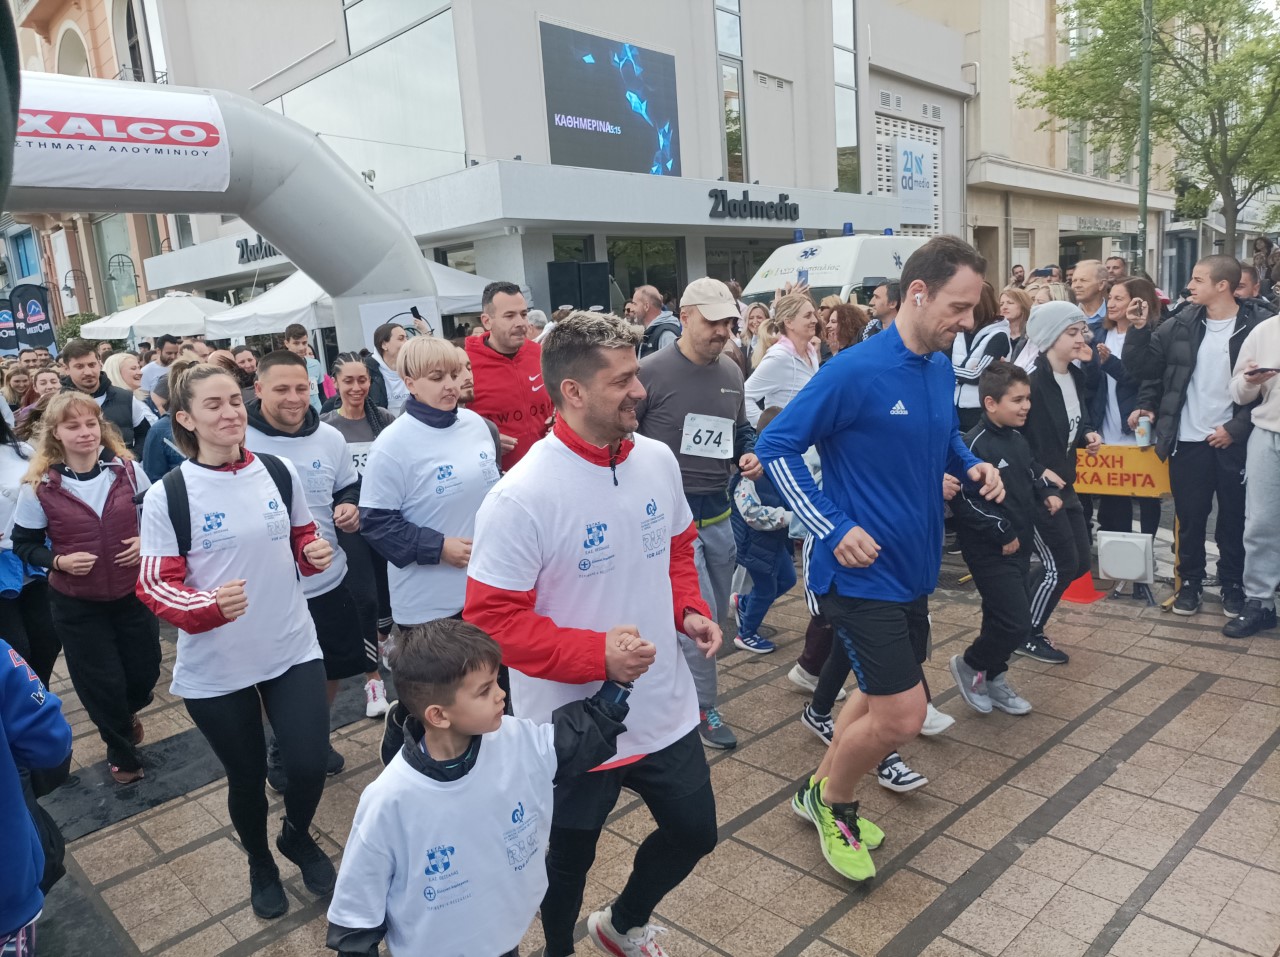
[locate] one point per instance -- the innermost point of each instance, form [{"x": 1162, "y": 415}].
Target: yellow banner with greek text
[{"x": 1122, "y": 470}]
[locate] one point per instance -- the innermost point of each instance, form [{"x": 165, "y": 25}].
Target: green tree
[
  {"x": 1215, "y": 89},
  {"x": 69, "y": 328}
]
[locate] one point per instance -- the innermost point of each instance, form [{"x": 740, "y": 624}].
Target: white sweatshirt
[{"x": 1262, "y": 345}]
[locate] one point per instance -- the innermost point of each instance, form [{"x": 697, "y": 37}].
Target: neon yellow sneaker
[
  {"x": 840, "y": 836},
  {"x": 872, "y": 836}
]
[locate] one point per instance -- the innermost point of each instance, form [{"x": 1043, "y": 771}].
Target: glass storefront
[
  {"x": 119, "y": 278},
  {"x": 573, "y": 249},
  {"x": 738, "y": 259},
  {"x": 647, "y": 262}
]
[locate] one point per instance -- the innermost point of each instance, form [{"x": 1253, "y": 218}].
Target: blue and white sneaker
[{"x": 755, "y": 644}]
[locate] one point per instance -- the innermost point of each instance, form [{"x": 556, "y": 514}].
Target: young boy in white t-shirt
[{"x": 446, "y": 853}]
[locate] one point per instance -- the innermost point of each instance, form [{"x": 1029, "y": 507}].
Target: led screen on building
[{"x": 610, "y": 105}]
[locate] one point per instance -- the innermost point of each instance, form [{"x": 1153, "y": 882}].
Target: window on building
[
  {"x": 182, "y": 224},
  {"x": 461, "y": 258},
  {"x": 848, "y": 173},
  {"x": 1075, "y": 146},
  {"x": 732, "y": 126},
  {"x": 25, "y": 258},
  {"x": 653, "y": 262},
  {"x": 573, "y": 249}
]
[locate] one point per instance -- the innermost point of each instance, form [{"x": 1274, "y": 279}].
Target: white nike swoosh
[
  {"x": 538, "y": 376},
  {"x": 537, "y": 388}
]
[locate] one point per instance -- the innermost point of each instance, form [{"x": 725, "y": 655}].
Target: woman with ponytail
[{"x": 360, "y": 422}]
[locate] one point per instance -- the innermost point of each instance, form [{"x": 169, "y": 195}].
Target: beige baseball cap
[{"x": 712, "y": 297}]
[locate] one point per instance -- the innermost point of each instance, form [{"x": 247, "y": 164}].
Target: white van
[{"x": 834, "y": 267}]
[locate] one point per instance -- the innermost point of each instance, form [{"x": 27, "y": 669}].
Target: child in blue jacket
[
  {"x": 33, "y": 734},
  {"x": 760, "y": 522}
]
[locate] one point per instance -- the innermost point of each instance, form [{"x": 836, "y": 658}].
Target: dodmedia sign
[
  {"x": 722, "y": 207},
  {"x": 252, "y": 252}
]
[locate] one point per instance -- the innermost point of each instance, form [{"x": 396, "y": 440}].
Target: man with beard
[{"x": 882, "y": 418}]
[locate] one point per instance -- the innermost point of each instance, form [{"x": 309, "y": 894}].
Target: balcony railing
[{"x": 139, "y": 75}]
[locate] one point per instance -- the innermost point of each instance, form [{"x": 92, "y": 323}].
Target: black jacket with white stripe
[{"x": 983, "y": 526}]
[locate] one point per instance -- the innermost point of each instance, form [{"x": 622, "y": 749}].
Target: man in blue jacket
[
  {"x": 883, "y": 420},
  {"x": 33, "y": 734}
]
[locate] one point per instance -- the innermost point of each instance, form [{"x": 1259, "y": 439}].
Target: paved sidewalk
[{"x": 1135, "y": 812}]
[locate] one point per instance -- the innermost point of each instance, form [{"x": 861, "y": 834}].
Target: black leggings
[
  {"x": 1063, "y": 545},
  {"x": 685, "y": 834},
  {"x": 112, "y": 650},
  {"x": 26, "y": 624},
  {"x": 232, "y": 723},
  {"x": 362, "y": 580}
]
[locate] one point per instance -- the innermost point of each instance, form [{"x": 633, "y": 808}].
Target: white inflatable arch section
[{"x": 89, "y": 145}]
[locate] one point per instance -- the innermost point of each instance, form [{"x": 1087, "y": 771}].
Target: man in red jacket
[{"x": 507, "y": 365}]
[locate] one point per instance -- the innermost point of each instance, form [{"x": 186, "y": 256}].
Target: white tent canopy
[
  {"x": 300, "y": 299},
  {"x": 175, "y": 313}
]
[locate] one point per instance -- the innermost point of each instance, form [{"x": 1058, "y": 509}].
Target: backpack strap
[
  {"x": 175, "y": 493},
  {"x": 279, "y": 473}
]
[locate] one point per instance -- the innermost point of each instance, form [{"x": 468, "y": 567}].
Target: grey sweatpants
[
  {"x": 716, "y": 556},
  {"x": 1262, "y": 517}
]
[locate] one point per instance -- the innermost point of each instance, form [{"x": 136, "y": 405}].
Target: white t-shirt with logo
[
  {"x": 239, "y": 529},
  {"x": 1113, "y": 432},
  {"x": 599, "y": 555},
  {"x": 324, "y": 466},
  {"x": 29, "y": 513},
  {"x": 1071, "y": 399},
  {"x": 1208, "y": 402},
  {"x": 435, "y": 478},
  {"x": 456, "y": 868},
  {"x": 12, "y": 469}
]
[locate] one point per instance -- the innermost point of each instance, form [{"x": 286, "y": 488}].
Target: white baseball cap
[{"x": 712, "y": 297}]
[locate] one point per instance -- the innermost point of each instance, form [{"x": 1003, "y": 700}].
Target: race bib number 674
[{"x": 707, "y": 436}]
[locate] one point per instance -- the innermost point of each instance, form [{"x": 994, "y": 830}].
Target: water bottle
[{"x": 1143, "y": 432}]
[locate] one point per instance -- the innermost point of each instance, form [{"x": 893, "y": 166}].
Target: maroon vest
[{"x": 75, "y": 527}]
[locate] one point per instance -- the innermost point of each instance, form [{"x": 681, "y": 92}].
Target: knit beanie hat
[{"x": 1050, "y": 320}]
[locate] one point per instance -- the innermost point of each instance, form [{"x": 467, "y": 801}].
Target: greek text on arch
[{"x": 133, "y": 129}]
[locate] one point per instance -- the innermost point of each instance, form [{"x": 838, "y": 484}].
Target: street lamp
[
  {"x": 73, "y": 275},
  {"x": 124, "y": 263}
]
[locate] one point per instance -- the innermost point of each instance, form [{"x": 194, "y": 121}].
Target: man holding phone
[
  {"x": 1254, "y": 383},
  {"x": 1199, "y": 428}
]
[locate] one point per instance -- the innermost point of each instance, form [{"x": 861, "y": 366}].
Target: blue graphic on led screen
[{"x": 610, "y": 105}]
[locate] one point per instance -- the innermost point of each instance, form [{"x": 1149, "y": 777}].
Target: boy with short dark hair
[
  {"x": 996, "y": 540},
  {"x": 297, "y": 341},
  {"x": 446, "y": 853}
]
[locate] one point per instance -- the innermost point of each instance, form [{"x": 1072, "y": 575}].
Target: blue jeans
[{"x": 765, "y": 589}]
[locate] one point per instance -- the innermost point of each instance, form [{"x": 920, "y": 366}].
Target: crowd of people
[{"x": 545, "y": 538}]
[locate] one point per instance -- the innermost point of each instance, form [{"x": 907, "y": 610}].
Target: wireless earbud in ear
[{"x": 919, "y": 299}]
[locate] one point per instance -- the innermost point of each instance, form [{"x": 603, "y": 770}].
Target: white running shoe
[
  {"x": 375, "y": 698},
  {"x": 637, "y": 942},
  {"x": 807, "y": 683},
  {"x": 935, "y": 722}
]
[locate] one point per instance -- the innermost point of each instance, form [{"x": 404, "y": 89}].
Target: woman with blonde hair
[
  {"x": 17, "y": 384},
  {"x": 79, "y": 494},
  {"x": 1050, "y": 292},
  {"x": 1015, "y": 307},
  {"x": 757, "y": 315},
  {"x": 125, "y": 372},
  {"x": 426, "y": 475},
  {"x": 788, "y": 362}
]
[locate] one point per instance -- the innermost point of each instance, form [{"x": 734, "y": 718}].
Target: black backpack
[{"x": 175, "y": 490}]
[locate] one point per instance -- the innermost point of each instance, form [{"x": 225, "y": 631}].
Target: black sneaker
[
  {"x": 277, "y": 780},
  {"x": 1232, "y": 600},
  {"x": 317, "y": 870},
  {"x": 335, "y": 763},
  {"x": 1252, "y": 619},
  {"x": 1040, "y": 648},
  {"x": 266, "y": 893},
  {"x": 1188, "y": 601}
]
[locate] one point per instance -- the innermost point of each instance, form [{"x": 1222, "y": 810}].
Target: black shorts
[
  {"x": 678, "y": 770},
  {"x": 886, "y": 641},
  {"x": 337, "y": 623}
]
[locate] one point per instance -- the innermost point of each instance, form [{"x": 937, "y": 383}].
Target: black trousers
[
  {"x": 362, "y": 582},
  {"x": 1062, "y": 544},
  {"x": 1115, "y": 513},
  {"x": 1197, "y": 473},
  {"x": 1002, "y": 581},
  {"x": 113, "y": 656},
  {"x": 26, "y": 624},
  {"x": 676, "y": 787},
  {"x": 232, "y": 723}
]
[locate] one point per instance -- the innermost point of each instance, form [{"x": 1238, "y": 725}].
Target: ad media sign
[{"x": 610, "y": 105}]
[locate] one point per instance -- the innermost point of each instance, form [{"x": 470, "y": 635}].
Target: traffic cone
[{"x": 1082, "y": 592}]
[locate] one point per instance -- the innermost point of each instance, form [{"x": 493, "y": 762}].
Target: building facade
[
  {"x": 91, "y": 261},
  {"x": 511, "y": 136}
]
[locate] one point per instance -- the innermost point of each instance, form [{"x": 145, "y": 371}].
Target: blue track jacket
[{"x": 886, "y": 429}]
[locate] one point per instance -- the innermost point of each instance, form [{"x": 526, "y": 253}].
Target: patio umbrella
[{"x": 175, "y": 313}]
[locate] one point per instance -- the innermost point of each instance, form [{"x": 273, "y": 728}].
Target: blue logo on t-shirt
[
  {"x": 439, "y": 859},
  {"x": 518, "y": 814},
  {"x": 652, "y": 508},
  {"x": 595, "y": 535},
  {"x": 444, "y": 472},
  {"x": 212, "y": 521}
]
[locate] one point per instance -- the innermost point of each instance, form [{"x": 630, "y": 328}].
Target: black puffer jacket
[{"x": 1168, "y": 354}]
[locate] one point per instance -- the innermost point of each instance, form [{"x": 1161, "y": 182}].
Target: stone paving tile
[{"x": 1004, "y": 854}]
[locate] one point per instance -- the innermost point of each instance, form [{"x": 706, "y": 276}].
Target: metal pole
[{"x": 1144, "y": 135}]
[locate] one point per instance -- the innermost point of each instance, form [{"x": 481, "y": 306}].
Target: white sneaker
[
  {"x": 375, "y": 698},
  {"x": 935, "y": 722},
  {"x": 808, "y": 683},
  {"x": 382, "y": 653},
  {"x": 637, "y": 942}
]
